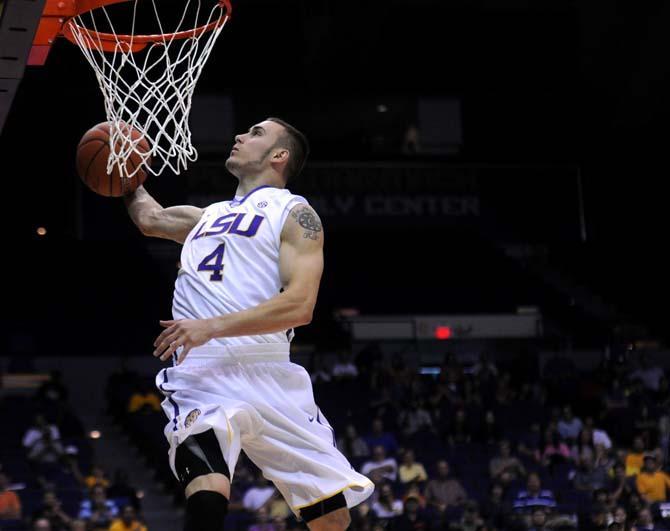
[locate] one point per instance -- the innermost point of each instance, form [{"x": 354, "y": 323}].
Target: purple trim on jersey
[
  {"x": 236, "y": 203},
  {"x": 174, "y": 404}
]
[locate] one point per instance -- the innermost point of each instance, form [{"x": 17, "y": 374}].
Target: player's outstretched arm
[
  {"x": 300, "y": 268},
  {"x": 172, "y": 223}
]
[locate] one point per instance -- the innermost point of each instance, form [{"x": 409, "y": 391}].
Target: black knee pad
[
  {"x": 205, "y": 511},
  {"x": 199, "y": 455},
  {"x": 317, "y": 510}
]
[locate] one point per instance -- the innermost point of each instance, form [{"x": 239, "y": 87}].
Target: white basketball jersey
[{"x": 230, "y": 260}]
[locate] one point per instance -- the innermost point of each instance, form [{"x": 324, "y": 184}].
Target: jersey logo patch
[
  {"x": 190, "y": 418},
  {"x": 262, "y": 204}
]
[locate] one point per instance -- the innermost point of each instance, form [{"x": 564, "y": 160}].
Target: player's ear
[{"x": 281, "y": 155}]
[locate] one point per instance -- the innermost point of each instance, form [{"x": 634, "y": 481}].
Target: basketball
[{"x": 94, "y": 150}]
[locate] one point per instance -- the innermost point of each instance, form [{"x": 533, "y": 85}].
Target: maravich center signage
[{"x": 524, "y": 203}]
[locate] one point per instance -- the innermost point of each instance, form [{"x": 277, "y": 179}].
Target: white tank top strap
[{"x": 212, "y": 356}]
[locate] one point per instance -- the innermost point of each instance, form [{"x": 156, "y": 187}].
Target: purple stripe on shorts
[{"x": 174, "y": 404}]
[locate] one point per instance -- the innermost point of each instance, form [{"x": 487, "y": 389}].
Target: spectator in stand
[
  {"x": 53, "y": 511},
  {"x": 596, "y": 520},
  {"x": 387, "y": 467},
  {"x": 635, "y": 457},
  {"x": 616, "y": 397},
  {"x": 652, "y": 483},
  {"x": 97, "y": 509},
  {"x": 344, "y": 368},
  {"x": 351, "y": 445},
  {"x": 10, "y": 505},
  {"x": 600, "y": 436},
  {"x": 489, "y": 432},
  {"x": 128, "y": 521},
  {"x": 506, "y": 468},
  {"x": 589, "y": 477},
  {"x": 412, "y": 518},
  {"x": 53, "y": 390},
  {"x": 471, "y": 520},
  {"x": 495, "y": 510},
  {"x": 444, "y": 491},
  {"x": 263, "y": 522},
  {"x": 664, "y": 438},
  {"x": 538, "y": 519},
  {"x": 410, "y": 470},
  {"x": 120, "y": 488},
  {"x": 96, "y": 477},
  {"x": 387, "y": 506},
  {"x": 414, "y": 491},
  {"x": 78, "y": 525},
  {"x": 41, "y": 524},
  {"x": 646, "y": 424},
  {"x": 530, "y": 443},
  {"x": 378, "y": 437},
  {"x": 318, "y": 372},
  {"x": 459, "y": 430},
  {"x": 582, "y": 446},
  {"x": 569, "y": 426},
  {"x": 144, "y": 400},
  {"x": 533, "y": 496},
  {"x": 620, "y": 517},
  {"x": 414, "y": 418},
  {"x": 645, "y": 521},
  {"x": 555, "y": 450},
  {"x": 650, "y": 375},
  {"x": 258, "y": 495},
  {"x": 42, "y": 442}
]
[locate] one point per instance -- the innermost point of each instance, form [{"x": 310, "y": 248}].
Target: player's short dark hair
[{"x": 298, "y": 146}]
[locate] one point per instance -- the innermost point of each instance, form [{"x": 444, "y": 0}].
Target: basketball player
[{"x": 250, "y": 273}]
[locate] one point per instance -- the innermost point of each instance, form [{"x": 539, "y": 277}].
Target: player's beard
[{"x": 247, "y": 169}]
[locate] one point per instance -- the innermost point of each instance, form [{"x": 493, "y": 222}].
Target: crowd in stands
[
  {"x": 47, "y": 479},
  {"x": 480, "y": 446},
  {"x": 472, "y": 447}
]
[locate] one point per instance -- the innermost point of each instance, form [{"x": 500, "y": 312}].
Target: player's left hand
[{"x": 187, "y": 333}]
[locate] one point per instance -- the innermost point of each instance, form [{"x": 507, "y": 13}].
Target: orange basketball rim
[{"x": 58, "y": 19}]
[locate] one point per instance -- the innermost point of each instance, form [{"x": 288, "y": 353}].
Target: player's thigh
[
  {"x": 336, "y": 520},
  {"x": 200, "y": 465}
]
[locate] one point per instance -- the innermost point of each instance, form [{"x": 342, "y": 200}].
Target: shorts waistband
[{"x": 226, "y": 355}]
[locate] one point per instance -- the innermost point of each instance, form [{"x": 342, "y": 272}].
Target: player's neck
[{"x": 247, "y": 184}]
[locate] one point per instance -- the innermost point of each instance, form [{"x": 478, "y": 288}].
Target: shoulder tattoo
[{"x": 308, "y": 220}]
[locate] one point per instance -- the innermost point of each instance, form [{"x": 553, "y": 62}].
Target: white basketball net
[{"x": 149, "y": 90}]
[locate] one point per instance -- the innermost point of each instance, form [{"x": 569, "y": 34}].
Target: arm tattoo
[{"x": 308, "y": 220}]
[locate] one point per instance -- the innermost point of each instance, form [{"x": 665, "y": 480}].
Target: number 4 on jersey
[{"x": 214, "y": 262}]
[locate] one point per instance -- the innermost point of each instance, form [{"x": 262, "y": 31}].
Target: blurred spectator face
[
  {"x": 567, "y": 413},
  {"x": 41, "y": 524},
  {"x": 411, "y": 506},
  {"x": 586, "y": 461},
  {"x": 533, "y": 484},
  {"x": 378, "y": 453},
  {"x": 620, "y": 471},
  {"x": 644, "y": 517},
  {"x": 128, "y": 514},
  {"x": 4, "y": 481},
  {"x": 539, "y": 518},
  {"x": 386, "y": 491},
  {"x": 620, "y": 515},
  {"x": 460, "y": 416},
  {"x": 600, "y": 497},
  {"x": 98, "y": 495},
  {"x": 50, "y": 499},
  {"x": 377, "y": 426},
  {"x": 585, "y": 436},
  {"x": 504, "y": 448},
  {"x": 470, "y": 512},
  {"x": 497, "y": 491},
  {"x": 78, "y": 525},
  {"x": 408, "y": 458},
  {"x": 638, "y": 445},
  {"x": 442, "y": 469},
  {"x": 350, "y": 431},
  {"x": 262, "y": 515},
  {"x": 98, "y": 472},
  {"x": 649, "y": 464}
]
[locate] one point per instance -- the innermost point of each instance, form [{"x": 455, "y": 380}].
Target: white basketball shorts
[{"x": 255, "y": 399}]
